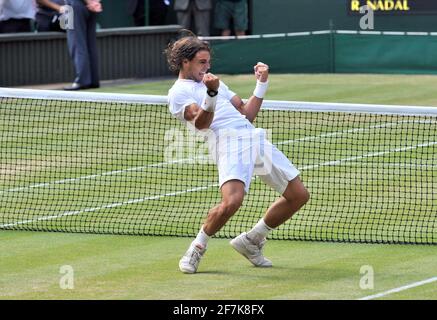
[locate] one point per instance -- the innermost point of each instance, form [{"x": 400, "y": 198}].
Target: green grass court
[{"x": 145, "y": 267}]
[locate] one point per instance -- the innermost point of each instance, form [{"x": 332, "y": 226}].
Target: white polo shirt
[
  {"x": 238, "y": 149},
  {"x": 186, "y": 92},
  {"x": 17, "y": 9}
]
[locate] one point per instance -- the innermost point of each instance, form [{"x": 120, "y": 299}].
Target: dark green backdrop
[
  {"x": 330, "y": 52},
  {"x": 273, "y": 16}
]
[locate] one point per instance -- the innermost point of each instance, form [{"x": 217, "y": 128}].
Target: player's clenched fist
[
  {"x": 261, "y": 71},
  {"x": 211, "y": 81}
]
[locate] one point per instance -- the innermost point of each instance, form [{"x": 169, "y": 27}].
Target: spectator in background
[
  {"x": 157, "y": 12},
  {"x": 200, "y": 9},
  {"x": 228, "y": 12},
  {"x": 16, "y": 15},
  {"x": 136, "y": 9},
  {"x": 82, "y": 46},
  {"x": 47, "y": 15}
]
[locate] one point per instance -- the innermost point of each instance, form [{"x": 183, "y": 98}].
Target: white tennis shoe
[
  {"x": 251, "y": 251},
  {"x": 191, "y": 259}
]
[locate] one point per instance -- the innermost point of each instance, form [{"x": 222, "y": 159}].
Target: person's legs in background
[
  {"x": 138, "y": 14},
  {"x": 222, "y": 17},
  {"x": 202, "y": 21},
  {"x": 92, "y": 50},
  {"x": 15, "y": 25},
  {"x": 158, "y": 11},
  {"x": 240, "y": 18},
  {"x": 42, "y": 22},
  {"x": 184, "y": 17},
  {"x": 81, "y": 44}
]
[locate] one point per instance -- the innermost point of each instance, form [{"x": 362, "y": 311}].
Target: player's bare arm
[
  {"x": 201, "y": 117},
  {"x": 251, "y": 108}
]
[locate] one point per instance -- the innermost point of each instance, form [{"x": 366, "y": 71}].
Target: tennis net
[{"x": 120, "y": 164}]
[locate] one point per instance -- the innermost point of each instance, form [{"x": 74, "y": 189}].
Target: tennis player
[{"x": 199, "y": 99}]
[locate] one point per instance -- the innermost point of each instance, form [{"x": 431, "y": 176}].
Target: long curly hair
[{"x": 185, "y": 48}]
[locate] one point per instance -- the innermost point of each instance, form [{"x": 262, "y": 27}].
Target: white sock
[
  {"x": 202, "y": 238},
  {"x": 259, "y": 231}
]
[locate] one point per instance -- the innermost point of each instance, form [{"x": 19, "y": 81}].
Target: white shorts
[{"x": 244, "y": 152}]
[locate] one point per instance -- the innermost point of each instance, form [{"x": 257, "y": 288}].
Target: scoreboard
[{"x": 394, "y": 7}]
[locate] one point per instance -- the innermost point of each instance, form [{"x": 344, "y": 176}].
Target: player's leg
[
  {"x": 232, "y": 198},
  {"x": 278, "y": 172},
  {"x": 293, "y": 198},
  {"x": 282, "y": 176},
  {"x": 250, "y": 244}
]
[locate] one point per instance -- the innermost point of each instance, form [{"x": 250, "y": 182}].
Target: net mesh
[{"x": 130, "y": 168}]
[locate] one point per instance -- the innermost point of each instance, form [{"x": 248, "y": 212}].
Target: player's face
[{"x": 196, "y": 68}]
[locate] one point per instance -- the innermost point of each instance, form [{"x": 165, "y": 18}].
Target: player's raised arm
[{"x": 253, "y": 104}]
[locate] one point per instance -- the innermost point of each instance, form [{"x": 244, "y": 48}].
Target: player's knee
[
  {"x": 231, "y": 205},
  {"x": 300, "y": 197}
]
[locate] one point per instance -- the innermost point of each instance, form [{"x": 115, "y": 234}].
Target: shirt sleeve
[
  {"x": 178, "y": 100},
  {"x": 226, "y": 92}
]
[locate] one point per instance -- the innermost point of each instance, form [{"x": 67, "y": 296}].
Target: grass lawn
[{"x": 354, "y": 88}]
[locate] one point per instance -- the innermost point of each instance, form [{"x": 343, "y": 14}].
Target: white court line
[
  {"x": 118, "y": 204},
  {"x": 107, "y": 206},
  {"x": 368, "y": 155},
  {"x": 339, "y": 133},
  {"x": 188, "y": 160},
  {"x": 383, "y": 165},
  {"x": 409, "y": 286},
  {"x": 94, "y": 176}
]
